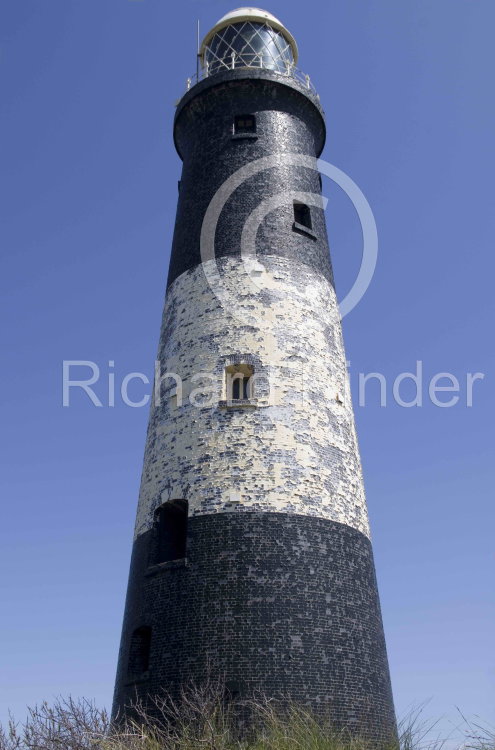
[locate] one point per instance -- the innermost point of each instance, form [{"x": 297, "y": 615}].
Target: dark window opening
[
  {"x": 244, "y": 124},
  {"x": 139, "y": 651},
  {"x": 171, "y": 531},
  {"x": 239, "y": 385},
  {"x": 302, "y": 215}
]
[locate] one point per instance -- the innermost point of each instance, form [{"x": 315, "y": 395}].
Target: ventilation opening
[
  {"x": 302, "y": 215},
  {"x": 139, "y": 652},
  {"x": 244, "y": 124},
  {"x": 239, "y": 383},
  {"x": 171, "y": 531}
]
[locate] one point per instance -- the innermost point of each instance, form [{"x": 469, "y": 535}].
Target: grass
[{"x": 203, "y": 720}]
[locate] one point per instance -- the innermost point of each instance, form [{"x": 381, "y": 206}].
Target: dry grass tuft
[{"x": 203, "y": 720}]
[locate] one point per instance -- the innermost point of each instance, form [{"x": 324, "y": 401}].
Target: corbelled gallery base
[{"x": 252, "y": 554}]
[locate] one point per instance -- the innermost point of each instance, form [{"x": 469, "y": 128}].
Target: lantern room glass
[{"x": 248, "y": 44}]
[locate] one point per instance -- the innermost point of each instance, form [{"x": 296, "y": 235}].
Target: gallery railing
[{"x": 290, "y": 71}]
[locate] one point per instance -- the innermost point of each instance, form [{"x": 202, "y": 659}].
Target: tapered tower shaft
[{"x": 252, "y": 555}]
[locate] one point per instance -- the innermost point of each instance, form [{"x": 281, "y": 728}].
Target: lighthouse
[{"x": 252, "y": 556}]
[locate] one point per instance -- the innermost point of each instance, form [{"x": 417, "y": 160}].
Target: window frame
[
  {"x": 243, "y": 130},
  {"x": 302, "y": 214},
  {"x": 139, "y": 652},
  {"x": 171, "y": 518},
  {"x": 239, "y": 379},
  {"x": 306, "y": 225}
]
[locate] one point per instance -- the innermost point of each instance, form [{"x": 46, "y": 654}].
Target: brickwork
[
  {"x": 296, "y": 450},
  {"x": 277, "y": 591},
  {"x": 287, "y": 122},
  {"x": 285, "y": 604}
]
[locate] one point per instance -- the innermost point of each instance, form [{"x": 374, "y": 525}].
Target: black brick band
[
  {"x": 284, "y": 604},
  {"x": 288, "y": 121}
]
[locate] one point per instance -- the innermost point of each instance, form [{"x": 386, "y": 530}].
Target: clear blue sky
[{"x": 88, "y": 195}]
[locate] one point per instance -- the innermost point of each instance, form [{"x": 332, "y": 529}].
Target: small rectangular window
[
  {"x": 244, "y": 124},
  {"x": 302, "y": 215},
  {"x": 139, "y": 652},
  {"x": 171, "y": 531}
]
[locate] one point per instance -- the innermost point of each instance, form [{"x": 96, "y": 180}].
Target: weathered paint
[
  {"x": 277, "y": 592},
  {"x": 295, "y": 450}
]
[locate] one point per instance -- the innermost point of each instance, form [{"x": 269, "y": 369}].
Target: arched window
[
  {"x": 302, "y": 215},
  {"x": 239, "y": 382},
  {"x": 171, "y": 531},
  {"x": 139, "y": 651}
]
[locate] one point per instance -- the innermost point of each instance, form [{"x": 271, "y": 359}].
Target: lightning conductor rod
[{"x": 197, "y": 50}]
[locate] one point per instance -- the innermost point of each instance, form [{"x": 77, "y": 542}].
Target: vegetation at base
[{"x": 203, "y": 720}]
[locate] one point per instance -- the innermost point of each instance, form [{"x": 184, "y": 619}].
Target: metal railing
[{"x": 290, "y": 72}]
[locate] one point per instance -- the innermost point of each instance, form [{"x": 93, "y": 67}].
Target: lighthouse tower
[{"x": 252, "y": 556}]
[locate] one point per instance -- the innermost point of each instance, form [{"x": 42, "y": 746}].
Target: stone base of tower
[{"x": 282, "y": 604}]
